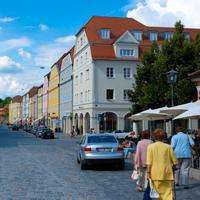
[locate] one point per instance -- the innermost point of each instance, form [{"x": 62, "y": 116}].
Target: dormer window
[
  {"x": 105, "y": 33},
  {"x": 138, "y": 35},
  {"x": 153, "y": 35},
  {"x": 186, "y": 35},
  {"x": 127, "y": 52},
  {"x": 168, "y": 35}
]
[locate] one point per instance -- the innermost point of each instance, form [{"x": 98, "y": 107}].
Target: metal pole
[{"x": 172, "y": 90}]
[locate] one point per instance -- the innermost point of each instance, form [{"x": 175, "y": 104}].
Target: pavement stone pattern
[{"x": 35, "y": 169}]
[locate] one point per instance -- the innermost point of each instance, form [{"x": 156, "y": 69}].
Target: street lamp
[{"x": 171, "y": 79}]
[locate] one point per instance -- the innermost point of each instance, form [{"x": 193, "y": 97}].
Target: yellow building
[
  {"x": 40, "y": 104},
  {"x": 15, "y": 110},
  {"x": 53, "y": 98}
]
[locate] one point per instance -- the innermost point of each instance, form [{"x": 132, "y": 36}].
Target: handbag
[
  {"x": 134, "y": 175},
  {"x": 147, "y": 192},
  {"x": 153, "y": 193}
]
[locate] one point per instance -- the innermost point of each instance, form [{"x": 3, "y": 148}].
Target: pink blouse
[{"x": 141, "y": 152}]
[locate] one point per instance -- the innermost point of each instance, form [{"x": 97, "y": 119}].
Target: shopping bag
[
  {"x": 147, "y": 192},
  {"x": 153, "y": 193},
  {"x": 134, "y": 175}
]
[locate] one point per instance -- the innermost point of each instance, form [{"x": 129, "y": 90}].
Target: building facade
[
  {"x": 45, "y": 99},
  {"x": 106, "y": 55},
  {"x": 40, "y": 105},
  {"x": 66, "y": 92},
  {"x": 15, "y": 110}
]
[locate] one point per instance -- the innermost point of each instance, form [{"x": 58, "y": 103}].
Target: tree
[{"x": 151, "y": 89}]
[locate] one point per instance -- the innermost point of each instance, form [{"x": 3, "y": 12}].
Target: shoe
[
  {"x": 177, "y": 184},
  {"x": 140, "y": 189}
]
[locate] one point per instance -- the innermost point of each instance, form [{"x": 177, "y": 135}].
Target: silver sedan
[{"x": 99, "y": 148}]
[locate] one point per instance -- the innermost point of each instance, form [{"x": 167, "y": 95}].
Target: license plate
[{"x": 104, "y": 150}]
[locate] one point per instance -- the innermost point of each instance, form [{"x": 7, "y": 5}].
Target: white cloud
[
  {"x": 9, "y": 86},
  {"x": 166, "y": 12},
  {"x": 48, "y": 54},
  {"x": 7, "y": 65},
  {"x": 14, "y": 43},
  {"x": 7, "y": 19},
  {"x": 66, "y": 39},
  {"x": 24, "y": 54},
  {"x": 43, "y": 27}
]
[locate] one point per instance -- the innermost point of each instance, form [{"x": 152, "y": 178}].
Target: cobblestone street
[{"x": 35, "y": 169}]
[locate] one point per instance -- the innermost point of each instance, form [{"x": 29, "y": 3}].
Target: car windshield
[
  {"x": 46, "y": 130},
  {"x": 101, "y": 139}
]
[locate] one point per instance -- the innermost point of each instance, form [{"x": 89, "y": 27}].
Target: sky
[{"x": 35, "y": 33}]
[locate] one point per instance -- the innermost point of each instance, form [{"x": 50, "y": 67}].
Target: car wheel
[{"x": 83, "y": 165}]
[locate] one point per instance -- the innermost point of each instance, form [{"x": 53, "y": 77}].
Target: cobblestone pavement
[{"x": 35, "y": 169}]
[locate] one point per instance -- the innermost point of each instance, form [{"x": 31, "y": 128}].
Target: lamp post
[{"x": 171, "y": 79}]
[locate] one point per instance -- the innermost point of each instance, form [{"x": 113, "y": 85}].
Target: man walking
[{"x": 182, "y": 145}]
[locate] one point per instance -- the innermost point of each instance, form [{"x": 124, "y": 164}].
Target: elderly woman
[
  {"x": 160, "y": 162},
  {"x": 140, "y": 159}
]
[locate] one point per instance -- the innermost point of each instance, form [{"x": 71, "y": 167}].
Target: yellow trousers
[{"x": 164, "y": 189}]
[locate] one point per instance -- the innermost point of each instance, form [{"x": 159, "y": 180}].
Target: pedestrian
[
  {"x": 197, "y": 150},
  {"x": 140, "y": 160},
  {"x": 129, "y": 146},
  {"x": 160, "y": 163},
  {"x": 182, "y": 145}
]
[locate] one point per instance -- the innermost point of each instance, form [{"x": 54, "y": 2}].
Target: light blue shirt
[{"x": 182, "y": 145}]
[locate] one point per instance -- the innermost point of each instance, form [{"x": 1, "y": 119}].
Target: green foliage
[
  {"x": 151, "y": 89},
  {"x": 4, "y": 102}
]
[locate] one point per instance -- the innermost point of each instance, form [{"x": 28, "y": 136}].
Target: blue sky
[{"x": 36, "y": 33}]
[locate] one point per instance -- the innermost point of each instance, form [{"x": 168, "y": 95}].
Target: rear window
[{"x": 101, "y": 139}]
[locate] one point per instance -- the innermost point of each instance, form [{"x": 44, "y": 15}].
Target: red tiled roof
[
  {"x": 33, "y": 91},
  {"x": 72, "y": 54},
  {"x": 118, "y": 26},
  {"x": 17, "y": 99}
]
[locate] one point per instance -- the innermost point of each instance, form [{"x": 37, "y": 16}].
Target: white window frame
[
  {"x": 137, "y": 35},
  {"x": 125, "y": 95},
  {"x": 110, "y": 72},
  {"x": 127, "y": 52},
  {"x": 153, "y": 36},
  {"x": 104, "y": 33},
  {"x": 113, "y": 94},
  {"x": 127, "y": 75}
]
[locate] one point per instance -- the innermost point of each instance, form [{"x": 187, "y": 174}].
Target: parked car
[
  {"x": 15, "y": 127},
  {"x": 34, "y": 130},
  {"x": 46, "y": 133},
  {"x": 100, "y": 148},
  {"x": 120, "y": 134},
  {"x": 28, "y": 128}
]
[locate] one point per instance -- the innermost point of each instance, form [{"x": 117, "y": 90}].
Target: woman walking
[
  {"x": 140, "y": 159},
  {"x": 161, "y": 161}
]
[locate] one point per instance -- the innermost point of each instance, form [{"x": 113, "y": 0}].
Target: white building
[
  {"x": 66, "y": 92},
  {"x": 105, "y": 61}
]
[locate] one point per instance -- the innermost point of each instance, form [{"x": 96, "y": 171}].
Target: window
[
  {"x": 127, "y": 72},
  {"x": 153, "y": 36},
  {"x": 186, "y": 35},
  {"x": 137, "y": 35},
  {"x": 110, "y": 72},
  {"x": 81, "y": 97},
  {"x": 127, "y": 52},
  {"x": 126, "y": 95},
  {"x": 109, "y": 94},
  {"x": 168, "y": 35},
  {"x": 87, "y": 74},
  {"x": 105, "y": 33},
  {"x": 81, "y": 77},
  {"x": 76, "y": 80},
  {"x": 81, "y": 41},
  {"x": 77, "y": 62}
]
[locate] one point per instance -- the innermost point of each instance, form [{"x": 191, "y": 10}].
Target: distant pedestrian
[
  {"x": 160, "y": 162},
  {"x": 140, "y": 159},
  {"x": 182, "y": 145}
]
